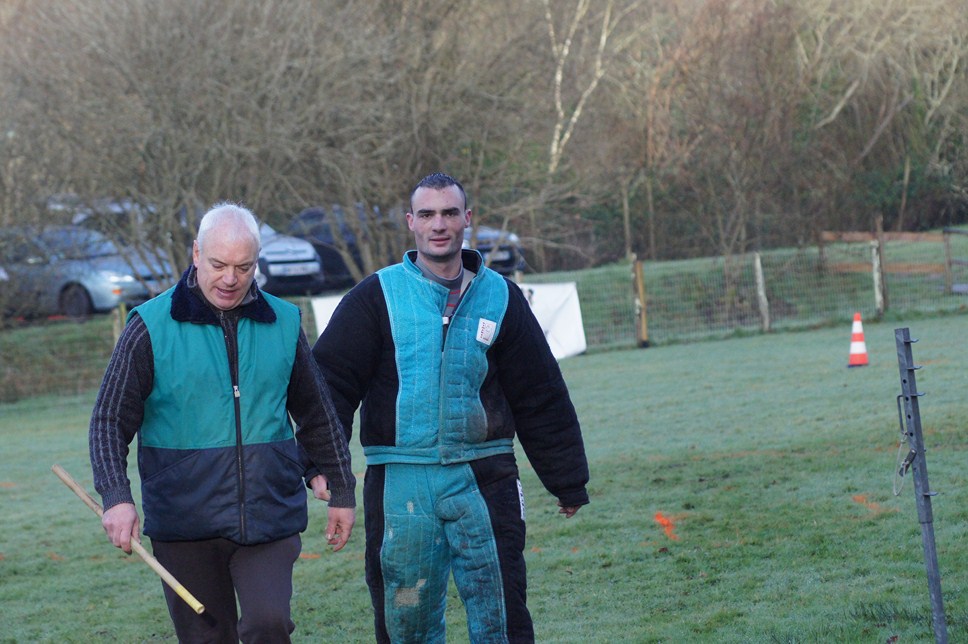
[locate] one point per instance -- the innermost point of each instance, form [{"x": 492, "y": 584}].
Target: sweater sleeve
[
  {"x": 320, "y": 433},
  {"x": 544, "y": 416},
  {"x": 118, "y": 412}
]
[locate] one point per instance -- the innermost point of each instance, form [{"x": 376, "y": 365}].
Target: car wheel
[{"x": 75, "y": 302}]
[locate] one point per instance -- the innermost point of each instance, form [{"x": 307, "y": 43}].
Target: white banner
[
  {"x": 555, "y": 306},
  {"x": 559, "y": 314},
  {"x": 323, "y": 308}
]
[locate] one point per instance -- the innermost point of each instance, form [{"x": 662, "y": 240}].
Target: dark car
[
  {"x": 75, "y": 271},
  {"x": 312, "y": 225},
  {"x": 501, "y": 250}
]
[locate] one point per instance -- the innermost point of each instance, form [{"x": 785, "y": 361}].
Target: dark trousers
[{"x": 216, "y": 572}]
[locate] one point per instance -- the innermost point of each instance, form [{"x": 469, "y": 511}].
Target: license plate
[
  {"x": 499, "y": 255},
  {"x": 289, "y": 270}
]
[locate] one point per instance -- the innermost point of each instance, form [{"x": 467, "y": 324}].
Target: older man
[{"x": 207, "y": 375}]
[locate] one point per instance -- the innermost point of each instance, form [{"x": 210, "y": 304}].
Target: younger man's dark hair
[{"x": 438, "y": 181}]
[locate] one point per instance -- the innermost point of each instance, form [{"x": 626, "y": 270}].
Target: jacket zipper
[
  {"x": 443, "y": 363},
  {"x": 232, "y": 352},
  {"x": 453, "y": 314}
]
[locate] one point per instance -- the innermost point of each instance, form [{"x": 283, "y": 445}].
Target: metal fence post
[{"x": 916, "y": 461}]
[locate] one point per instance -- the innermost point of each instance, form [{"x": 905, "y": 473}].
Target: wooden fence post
[
  {"x": 948, "y": 277},
  {"x": 880, "y": 299},
  {"x": 642, "y": 321},
  {"x": 761, "y": 292},
  {"x": 881, "y": 294}
]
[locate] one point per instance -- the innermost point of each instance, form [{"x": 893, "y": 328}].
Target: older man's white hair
[{"x": 229, "y": 212}]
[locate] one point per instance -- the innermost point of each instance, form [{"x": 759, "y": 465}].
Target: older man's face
[{"x": 225, "y": 266}]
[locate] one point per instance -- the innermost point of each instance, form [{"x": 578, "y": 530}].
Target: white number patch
[{"x": 485, "y": 331}]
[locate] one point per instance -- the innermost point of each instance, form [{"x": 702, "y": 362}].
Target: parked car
[
  {"x": 503, "y": 250},
  {"x": 313, "y": 226},
  {"x": 288, "y": 265},
  {"x": 105, "y": 215},
  {"x": 75, "y": 271},
  {"x": 500, "y": 248}
]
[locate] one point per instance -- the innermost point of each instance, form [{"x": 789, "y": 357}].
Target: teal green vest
[{"x": 192, "y": 404}]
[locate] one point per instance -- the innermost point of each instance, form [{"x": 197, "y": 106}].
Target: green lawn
[{"x": 768, "y": 459}]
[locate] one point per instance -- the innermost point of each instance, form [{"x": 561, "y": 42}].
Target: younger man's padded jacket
[{"x": 436, "y": 393}]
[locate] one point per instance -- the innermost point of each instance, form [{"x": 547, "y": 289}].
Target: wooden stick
[{"x": 135, "y": 544}]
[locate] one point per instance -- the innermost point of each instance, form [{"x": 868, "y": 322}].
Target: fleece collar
[{"x": 189, "y": 305}]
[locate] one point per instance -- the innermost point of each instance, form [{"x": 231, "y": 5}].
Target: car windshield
[{"x": 78, "y": 243}]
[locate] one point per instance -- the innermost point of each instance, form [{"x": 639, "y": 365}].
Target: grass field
[{"x": 741, "y": 492}]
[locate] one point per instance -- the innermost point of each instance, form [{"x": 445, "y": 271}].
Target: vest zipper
[
  {"x": 464, "y": 287},
  {"x": 441, "y": 403},
  {"x": 232, "y": 352}
]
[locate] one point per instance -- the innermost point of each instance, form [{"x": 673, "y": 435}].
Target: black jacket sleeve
[
  {"x": 320, "y": 433},
  {"x": 351, "y": 346},
  {"x": 544, "y": 416}
]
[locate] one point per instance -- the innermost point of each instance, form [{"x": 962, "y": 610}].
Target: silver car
[
  {"x": 74, "y": 271},
  {"x": 288, "y": 265}
]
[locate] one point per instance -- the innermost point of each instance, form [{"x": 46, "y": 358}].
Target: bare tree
[
  {"x": 584, "y": 40},
  {"x": 686, "y": 127}
]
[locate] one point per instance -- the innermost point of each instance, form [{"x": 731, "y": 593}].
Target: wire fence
[
  {"x": 686, "y": 300},
  {"x": 711, "y": 298}
]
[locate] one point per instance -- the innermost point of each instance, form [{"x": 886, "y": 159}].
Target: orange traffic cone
[{"x": 858, "y": 348}]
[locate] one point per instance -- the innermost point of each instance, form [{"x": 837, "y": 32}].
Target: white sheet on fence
[
  {"x": 555, "y": 306},
  {"x": 559, "y": 314},
  {"x": 323, "y": 308}
]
